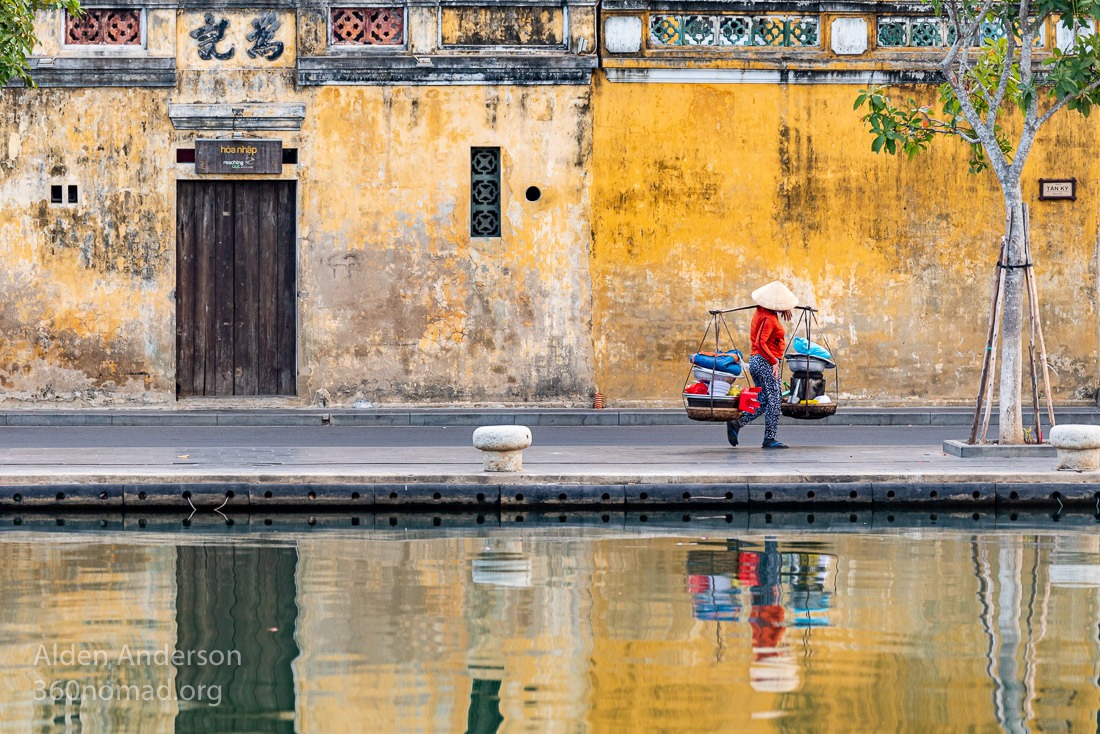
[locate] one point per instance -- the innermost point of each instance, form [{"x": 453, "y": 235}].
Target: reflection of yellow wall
[
  {"x": 905, "y": 646},
  {"x": 703, "y": 192},
  {"x": 392, "y": 635},
  {"x": 90, "y": 597}
]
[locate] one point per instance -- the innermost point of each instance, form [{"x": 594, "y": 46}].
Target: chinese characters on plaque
[{"x": 212, "y": 32}]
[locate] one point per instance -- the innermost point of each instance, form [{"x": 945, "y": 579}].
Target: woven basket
[
  {"x": 707, "y": 408},
  {"x": 807, "y": 412}
]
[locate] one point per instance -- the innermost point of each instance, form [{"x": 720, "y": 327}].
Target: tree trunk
[{"x": 1011, "y": 415}]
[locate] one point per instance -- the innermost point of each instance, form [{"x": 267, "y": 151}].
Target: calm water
[{"x": 559, "y": 631}]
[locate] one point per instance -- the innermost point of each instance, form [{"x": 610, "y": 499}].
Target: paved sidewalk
[{"x": 574, "y": 476}]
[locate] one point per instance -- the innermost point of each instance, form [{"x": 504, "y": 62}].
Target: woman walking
[{"x": 769, "y": 342}]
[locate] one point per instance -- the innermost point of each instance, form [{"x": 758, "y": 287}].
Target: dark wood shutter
[{"x": 235, "y": 288}]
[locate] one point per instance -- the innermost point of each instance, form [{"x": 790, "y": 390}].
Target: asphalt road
[{"x": 336, "y": 436}]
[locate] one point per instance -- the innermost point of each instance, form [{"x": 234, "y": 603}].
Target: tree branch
[{"x": 1063, "y": 102}]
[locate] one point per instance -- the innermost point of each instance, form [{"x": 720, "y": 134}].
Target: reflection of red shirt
[
  {"x": 767, "y": 627},
  {"x": 768, "y": 338}
]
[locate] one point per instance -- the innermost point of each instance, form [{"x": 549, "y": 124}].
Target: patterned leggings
[{"x": 770, "y": 396}]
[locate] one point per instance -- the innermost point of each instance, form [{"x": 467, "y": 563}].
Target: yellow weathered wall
[
  {"x": 85, "y": 306},
  {"x": 659, "y": 201},
  {"x": 400, "y": 302},
  {"x": 702, "y": 192}
]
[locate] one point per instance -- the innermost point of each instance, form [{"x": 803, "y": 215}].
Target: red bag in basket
[{"x": 699, "y": 388}]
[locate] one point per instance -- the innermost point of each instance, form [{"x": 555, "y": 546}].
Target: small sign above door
[
  {"x": 239, "y": 155},
  {"x": 1057, "y": 188}
]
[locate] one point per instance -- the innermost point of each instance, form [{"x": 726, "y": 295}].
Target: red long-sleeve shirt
[{"x": 769, "y": 340}]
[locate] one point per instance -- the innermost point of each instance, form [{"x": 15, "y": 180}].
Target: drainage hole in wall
[
  {"x": 142, "y": 495},
  {"x": 312, "y": 495},
  {"x": 393, "y": 495},
  {"x": 810, "y": 495},
  {"x": 60, "y": 496},
  {"x": 1014, "y": 495},
  {"x": 519, "y": 518},
  {"x": 480, "y": 497},
  {"x": 1013, "y": 517},
  {"x": 976, "y": 494},
  {"x": 311, "y": 521},
  {"x": 229, "y": 494},
  {"x": 533, "y": 193},
  {"x": 355, "y": 521},
  {"x": 186, "y": 495},
  {"x": 437, "y": 521},
  {"x": 889, "y": 518},
  {"x": 605, "y": 497},
  {"x": 852, "y": 518},
  {"x": 355, "y": 495},
  {"x": 768, "y": 518},
  {"x": 687, "y": 518},
  {"x": 643, "y": 518},
  {"x": 17, "y": 497},
  {"x": 976, "y": 517},
  {"x": 519, "y": 498},
  {"x": 605, "y": 518},
  {"x": 853, "y": 494},
  {"x": 267, "y": 495},
  {"x": 480, "y": 519},
  {"x": 436, "y": 496},
  {"x": 767, "y": 495},
  {"x": 393, "y": 521},
  {"x": 687, "y": 495},
  {"x": 563, "y": 497},
  {"x": 643, "y": 496},
  {"x": 890, "y": 495},
  {"x": 933, "y": 494}
]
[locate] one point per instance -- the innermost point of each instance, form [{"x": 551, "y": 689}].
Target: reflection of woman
[{"x": 769, "y": 341}]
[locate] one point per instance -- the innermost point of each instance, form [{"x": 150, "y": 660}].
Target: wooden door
[{"x": 235, "y": 287}]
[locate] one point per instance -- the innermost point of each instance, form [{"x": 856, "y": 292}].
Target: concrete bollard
[
  {"x": 502, "y": 446},
  {"x": 1078, "y": 447}
]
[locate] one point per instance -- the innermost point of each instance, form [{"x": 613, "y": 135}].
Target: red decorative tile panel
[
  {"x": 368, "y": 26},
  {"x": 104, "y": 27}
]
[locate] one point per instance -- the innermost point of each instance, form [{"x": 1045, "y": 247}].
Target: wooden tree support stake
[
  {"x": 1033, "y": 304},
  {"x": 989, "y": 358}
]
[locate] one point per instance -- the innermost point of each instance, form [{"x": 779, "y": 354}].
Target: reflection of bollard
[
  {"x": 503, "y": 446},
  {"x": 1078, "y": 447}
]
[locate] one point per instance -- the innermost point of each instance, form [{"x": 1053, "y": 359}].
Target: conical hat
[{"x": 775, "y": 296}]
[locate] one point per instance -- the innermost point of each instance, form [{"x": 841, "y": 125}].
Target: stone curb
[
  {"x": 401, "y": 524},
  {"x": 510, "y": 498},
  {"x": 477, "y": 417}
]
